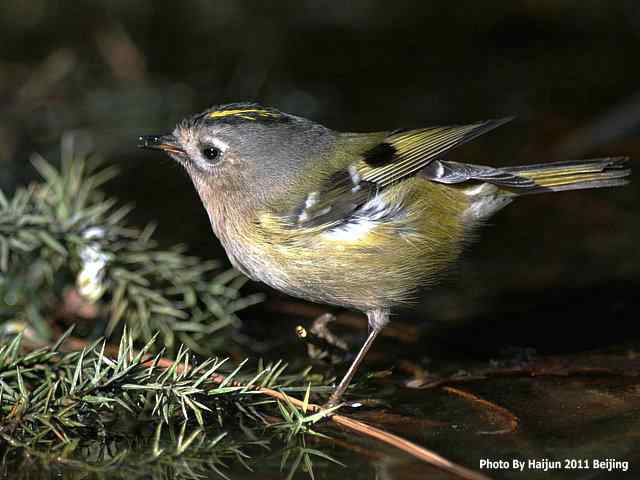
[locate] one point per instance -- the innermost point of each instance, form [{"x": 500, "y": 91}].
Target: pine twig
[{"x": 362, "y": 428}]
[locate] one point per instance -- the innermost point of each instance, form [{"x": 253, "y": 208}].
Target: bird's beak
[{"x": 166, "y": 143}]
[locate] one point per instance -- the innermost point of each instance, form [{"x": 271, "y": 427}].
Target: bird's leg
[{"x": 377, "y": 320}]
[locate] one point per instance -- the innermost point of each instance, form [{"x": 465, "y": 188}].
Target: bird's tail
[{"x": 574, "y": 175}]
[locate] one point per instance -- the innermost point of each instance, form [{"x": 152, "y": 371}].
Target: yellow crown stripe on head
[{"x": 242, "y": 113}]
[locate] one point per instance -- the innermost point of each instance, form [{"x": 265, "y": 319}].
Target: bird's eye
[{"x": 211, "y": 153}]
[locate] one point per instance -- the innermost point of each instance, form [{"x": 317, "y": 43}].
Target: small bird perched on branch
[{"x": 359, "y": 220}]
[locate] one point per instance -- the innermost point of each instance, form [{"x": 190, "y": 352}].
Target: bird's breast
[{"x": 376, "y": 258}]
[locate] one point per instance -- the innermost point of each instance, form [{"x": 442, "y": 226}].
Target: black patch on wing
[{"x": 382, "y": 154}]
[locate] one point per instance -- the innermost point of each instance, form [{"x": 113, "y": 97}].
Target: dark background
[{"x": 558, "y": 273}]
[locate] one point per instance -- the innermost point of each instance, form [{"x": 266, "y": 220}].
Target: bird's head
[{"x": 244, "y": 149}]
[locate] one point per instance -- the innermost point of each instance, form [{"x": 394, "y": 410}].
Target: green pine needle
[{"x": 64, "y": 233}]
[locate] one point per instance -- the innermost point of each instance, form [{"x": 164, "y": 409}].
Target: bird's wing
[
  {"x": 381, "y": 160},
  {"x": 338, "y": 197},
  {"x": 404, "y": 153},
  {"x": 453, "y": 172}
]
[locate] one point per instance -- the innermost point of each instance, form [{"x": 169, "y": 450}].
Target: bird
[{"x": 364, "y": 221}]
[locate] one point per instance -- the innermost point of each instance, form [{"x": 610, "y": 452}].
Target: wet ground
[{"x": 518, "y": 413}]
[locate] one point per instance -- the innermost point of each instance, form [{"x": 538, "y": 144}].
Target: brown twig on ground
[
  {"x": 342, "y": 421},
  {"x": 528, "y": 371},
  {"x": 511, "y": 420}
]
